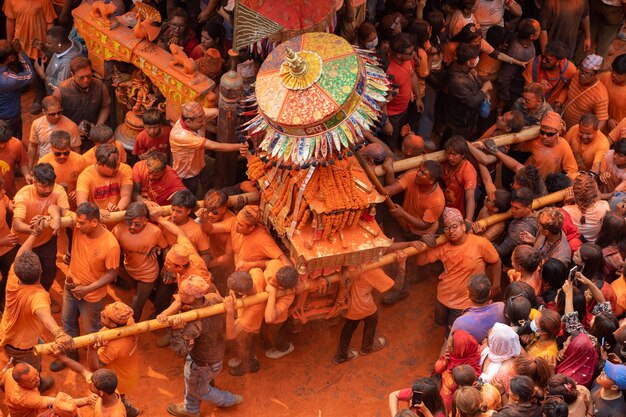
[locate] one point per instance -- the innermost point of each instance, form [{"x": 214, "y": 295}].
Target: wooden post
[
  {"x": 146, "y": 326},
  {"x": 231, "y": 89}
]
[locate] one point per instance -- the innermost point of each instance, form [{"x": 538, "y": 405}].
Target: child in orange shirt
[
  {"x": 99, "y": 135},
  {"x": 361, "y": 307},
  {"x": 155, "y": 135}
]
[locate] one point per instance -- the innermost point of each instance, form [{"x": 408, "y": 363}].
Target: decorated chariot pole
[{"x": 308, "y": 285}]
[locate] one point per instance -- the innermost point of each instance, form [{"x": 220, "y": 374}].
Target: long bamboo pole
[
  {"x": 118, "y": 216},
  {"x": 149, "y": 325},
  {"x": 501, "y": 140}
]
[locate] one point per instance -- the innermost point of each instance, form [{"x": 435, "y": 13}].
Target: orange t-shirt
[
  {"x": 256, "y": 246},
  {"x": 616, "y": 134},
  {"x": 20, "y": 327},
  {"x": 92, "y": 258},
  {"x": 28, "y": 205},
  {"x": 219, "y": 241},
  {"x": 31, "y": 21},
  {"x": 587, "y": 155},
  {"x": 194, "y": 233},
  {"x": 12, "y": 156},
  {"x": 426, "y": 206},
  {"x": 136, "y": 248},
  {"x": 361, "y": 302},
  {"x": 551, "y": 160},
  {"x": 118, "y": 410},
  {"x": 104, "y": 190},
  {"x": 619, "y": 286},
  {"x": 187, "y": 151},
  {"x": 457, "y": 181},
  {"x": 585, "y": 100},
  {"x": 4, "y": 227},
  {"x": 196, "y": 263},
  {"x": 120, "y": 356},
  {"x": 22, "y": 402},
  {"x": 557, "y": 89},
  {"x": 251, "y": 318},
  {"x": 67, "y": 173},
  {"x": 460, "y": 262},
  {"x": 617, "y": 97},
  {"x": 90, "y": 155}
]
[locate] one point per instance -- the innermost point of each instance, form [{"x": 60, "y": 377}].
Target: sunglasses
[
  {"x": 64, "y": 153},
  {"x": 548, "y": 134},
  {"x": 55, "y": 114},
  {"x": 590, "y": 173}
]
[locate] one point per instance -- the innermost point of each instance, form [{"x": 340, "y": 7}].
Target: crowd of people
[{"x": 531, "y": 306}]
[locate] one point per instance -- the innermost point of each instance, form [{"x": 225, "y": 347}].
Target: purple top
[{"x": 477, "y": 321}]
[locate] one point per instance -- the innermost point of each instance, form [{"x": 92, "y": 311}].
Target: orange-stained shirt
[
  {"x": 90, "y": 155},
  {"x": 13, "y": 156},
  {"x": 187, "y": 151},
  {"x": 250, "y": 318},
  {"x": 219, "y": 241},
  {"x": 283, "y": 303},
  {"x": 121, "y": 356},
  {"x": 22, "y": 402},
  {"x": 617, "y": 97},
  {"x": 619, "y": 286},
  {"x": 460, "y": 262},
  {"x": 20, "y": 327},
  {"x": 555, "y": 88},
  {"x": 4, "y": 227},
  {"x": 582, "y": 99},
  {"x": 361, "y": 302},
  {"x": 616, "y": 134},
  {"x": 41, "y": 130},
  {"x": 587, "y": 155},
  {"x": 32, "y": 18},
  {"x": 104, "y": 190},
  {"x": 426, "y": 206},
  {"x": 118, "y": 410},
  {"x": 67, "y": 173},
  {"x": 464, "y": 177},
  {"x": 197, "y": 266},
  {"x": 92, "y": 258},
  {"x": 136, "y": 248},
  {"x": 29, "y": 204},
  {"x": 551, "y": 160},
  {"x": 256, "y": 246},
  {"x": 194, "y": 233}
]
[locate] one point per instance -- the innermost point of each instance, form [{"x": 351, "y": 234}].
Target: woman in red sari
[{"x": 462, "y": 350}]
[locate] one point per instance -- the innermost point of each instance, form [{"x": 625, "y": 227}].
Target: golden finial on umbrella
[{"x": 300, "y": 70}]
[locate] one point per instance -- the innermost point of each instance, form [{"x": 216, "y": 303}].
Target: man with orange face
[
  {"x": 108, "y": 183},
  {"x": 606, "y": 393},
  {"x": 154, "y": 180},
  {"x": 251, "y": 245}
]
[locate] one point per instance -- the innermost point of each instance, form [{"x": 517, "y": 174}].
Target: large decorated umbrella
[{"x": 316, "y": 94}]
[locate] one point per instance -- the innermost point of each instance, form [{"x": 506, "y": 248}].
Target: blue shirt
[
  {"x": 477, "y": 321},
  {"x": 11, "y": 85}
]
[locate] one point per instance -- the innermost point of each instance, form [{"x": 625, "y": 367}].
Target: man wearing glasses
[
  {"x": 463, "y": 256},
  {"x": 549, "y": 152},
  {"x": 42, "y": 128}
]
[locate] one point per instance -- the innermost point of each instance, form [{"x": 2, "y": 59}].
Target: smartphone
[
  {"x": 417, "y": 398},
  {"x": 572, "y": 273}
]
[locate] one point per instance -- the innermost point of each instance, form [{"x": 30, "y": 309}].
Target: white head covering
[{"x": 502, "y": 344}]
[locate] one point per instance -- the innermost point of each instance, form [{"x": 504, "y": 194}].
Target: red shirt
[
  {"x": 145, "y": 143},
  {"x": 160, "y": 190},
  {"x": 401, "y": 72}
]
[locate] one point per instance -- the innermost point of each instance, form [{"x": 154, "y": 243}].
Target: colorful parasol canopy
[{"x": 316, "y": 93}]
